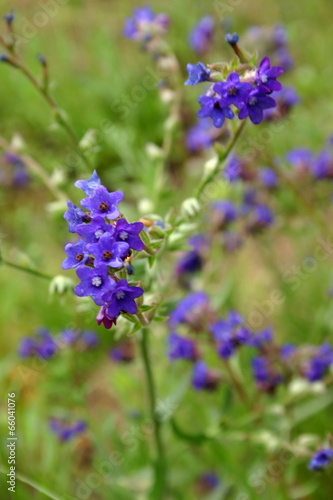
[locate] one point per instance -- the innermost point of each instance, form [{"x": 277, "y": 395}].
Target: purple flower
[
  {"x": 94, "y": 282},
  {"x": 95, "y": 229},
  {"x": 322, "y": 166},
  {"x": 89, "y": 339},
  {"x": 121, "y": 299},
  {"x": 76, "y": 255},
  {"x": 75, "y": 216},
  {"x": 284, "y": 58},
  {"x": 266, "y": 75},
  {"x": 233, "y": 91},
  {"x": 202, "y": 34},
  {"x": 197, "y": 73},
  {"x": 109, "y": 251},
  {"x": 260, "y": 218},
  {"x": 208, "y": 482},
  {"x": 215, "y": 108},
  {"x": 321, "y": 459},
  {"x": 190, "y": 309},
  {"x": 182, "y": 348},
  {"x": 262, "y": 338},
  {"x": 90, "y": 185},
  {"x": 287, "y": 350},
  {"x": 318, "y": 365},
  {"x": 46, "y": 347},
  {"x": 200, "y": 136},
  {"x": 27, "y": 347},
  {"x": 233, "y": 169},
  {"x": 129, "y": 233},
  {"x": 226, "y": 210},
  {"x": 103, "y": 203},
  {"x": 66, "y": 431},
  {"x": 301, "y": 159},
  {"x": 69, "y": 336},
  {"x": 203, "y": 378},
  {"x": 268, "y": 177},
  {"x": 229, "y": 334},
  {"x": 123, "y": 353},
  {"x": 144, "y": 23},
  {"x": 285, "y": 99},
  {"x": 102, "y": 317},
  {"x": 265, "y": 375},
  {"x": 255, "y": 102}
]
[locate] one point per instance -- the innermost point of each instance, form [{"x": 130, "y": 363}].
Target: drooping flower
[
  {"x": 197, "y": 73},
  {"x": 102, "y": 317},
  {"x": 201, "y": 136},
  {"x": 268, "y": 177}
]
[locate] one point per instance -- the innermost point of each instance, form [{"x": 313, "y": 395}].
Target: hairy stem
[
  {"x": 159, "y": 489},
  {"x": 25, "y": 270}
]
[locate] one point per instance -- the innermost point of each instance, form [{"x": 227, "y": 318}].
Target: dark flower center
[
  {"x": 232, "y": 90},
  {"x": 79, "y": 257},
  {"x": 103, "y": 206},
  {"x": 217, "y": 105},
  {"x": 107, "y": 255}
]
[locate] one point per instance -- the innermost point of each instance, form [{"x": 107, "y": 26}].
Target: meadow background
[{"x": 91, "y": 65}]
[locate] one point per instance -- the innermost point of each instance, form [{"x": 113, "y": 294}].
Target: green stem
[
  {"x": 159, "y": 488},
  {"x": 26, "y": 270},
  {"x": 222, "y": 158},
  {"x": 35, "y": 486},
  {"x": 18, "y": 64}
]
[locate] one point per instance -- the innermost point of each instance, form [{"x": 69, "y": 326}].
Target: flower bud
[{"x": 61, "y": 285}]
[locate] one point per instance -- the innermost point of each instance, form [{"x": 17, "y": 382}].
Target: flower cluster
[
  {"x": 44, "y": 345},
  {"x": 249, "y": 93},
  {"x": 271, "y": 366},
  {"x": 316, "y": 166},
  {"x": 106, "y": 245},
  {"x": 144, "y": 25},
  {"x": 65, "y": 430}
]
